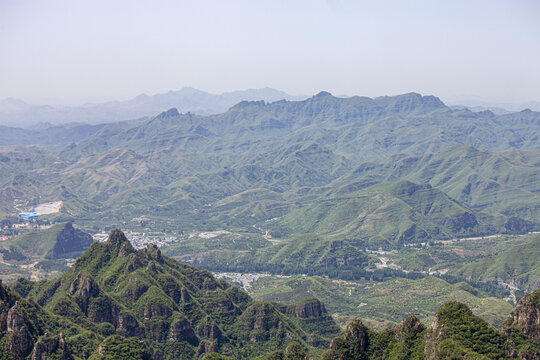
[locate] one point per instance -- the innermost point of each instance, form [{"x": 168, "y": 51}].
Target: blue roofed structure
[{"x": 28, "y": 215}]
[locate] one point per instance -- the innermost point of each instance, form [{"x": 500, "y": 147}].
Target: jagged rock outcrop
[
  {"x": 154, "y": 309},
  {"x": 409, "y": 328},
  {"x": 151, "y": 266},
  {"x": 181, "y": 330},
  {"x": 262, "y": 316},
  {"x": 51, "y": 345},
  {"x": 15, "y": 325},
  {"x": 19, "y": 340},
  {"x": 522, "y": 329},
  {"x": 526, "y": 317},
  {"x": 127, "y": 325},
  {"x": 184, "y": 295},
  {"x": 156, "y": 330},
  {"x": 133, "y": 263},
  {"x": 206, "y": 347},
  {"x": 356, "y": 333},
  {"x": 352, "y": 345},
  {"x": 135, "y": 289},
  {"x": 153, "y": 253},
  {"x": 82, "y": 289},
  {"x": 23, "y": 326},
  {"x": 455, "y": 333},
  {"x": 118, "y": 292},
  {"x": 173, "y": 112},
  {"x": 119, "y": 245},
  {"x": 209, "y": 329}
]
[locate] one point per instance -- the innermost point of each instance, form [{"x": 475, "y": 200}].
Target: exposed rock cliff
[
  {"x": 23, "y": 326},
  {"x": 526, "y": 317}
]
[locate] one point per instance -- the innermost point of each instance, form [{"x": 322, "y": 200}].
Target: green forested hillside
[
  {"x": 180, "y": 311},
  {"x": 387, "y": 214},
  {"x": 58, "y": 241},
  {"x": 454, "y": 334},
  {"x": 381, "y": 303},
  {"x": 117, "y": 302},
  {"x": 185, "y": 166},
  {"x": 517, "y": 265},
  {"x": 300, "y": 187},
  {"x": 493, "y": 182}
]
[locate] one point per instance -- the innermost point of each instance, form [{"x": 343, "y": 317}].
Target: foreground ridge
[
  {"x": 456, "y": 333},
  {"x": 119, "y": 302}
]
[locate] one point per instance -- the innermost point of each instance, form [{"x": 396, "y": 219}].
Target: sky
[{"x": 70, "y": 51}]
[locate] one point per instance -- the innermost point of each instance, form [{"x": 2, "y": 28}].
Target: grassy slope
[
  {"x": 388, "y": 214},
  {"x": 517, "y": 264},
  {"x": 35, "y": 245},
  {"x": 510, "y": 258},
  {"x": 34, "y": 254},
  {"x": 495, "y": 182},
  {"x": 182, "y": 163},
  {"x": 30, "y": 249}
]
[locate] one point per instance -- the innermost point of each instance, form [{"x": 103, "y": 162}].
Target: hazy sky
[{"x": 96, "y": 50}]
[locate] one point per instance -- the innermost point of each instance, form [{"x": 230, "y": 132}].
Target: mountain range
[
  {"x": 321, "y": 179},
  {"x": 302, "y": 151},
  {"x": 378, "y": 195},
  {"x": 14, "y": 112}
]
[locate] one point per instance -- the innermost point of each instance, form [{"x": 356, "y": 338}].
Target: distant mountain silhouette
[{"x": 15, "y": 112}]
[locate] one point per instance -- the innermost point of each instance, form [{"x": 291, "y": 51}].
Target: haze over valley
[{"x": 326, "y": 180}]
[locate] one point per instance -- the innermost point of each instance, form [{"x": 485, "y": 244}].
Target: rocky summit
[{"x": 115, "y": 297}]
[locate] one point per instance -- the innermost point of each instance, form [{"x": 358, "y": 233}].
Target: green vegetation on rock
[{"x": 181, "y": 312}]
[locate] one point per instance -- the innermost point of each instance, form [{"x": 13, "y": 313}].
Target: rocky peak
[
  {"x": 19, "y": 339},
  {"x": 456, "y": 324},
  {"x": 245, "y": 104},
  {"x": 119, "y": 244},
  {"x": 260, "y": 316},
  {"x": 184, "y": 295},
  {"x": 322, "y": 94},
  {"x": 133, "y": 263},
  {"x": 356, "y": 333},
  {"x": 82, "y": 289},
  {"x": 409, "y": 328},
  {"x": 352, "y": 345},
  {"x": 15, "y": 318},
  {"x": 48, "y": 345},
  {"x": 526, "y": 316},
  {"x": 209, "y": 329},
  {"x": 169, "y": 113},
  {"x": 412, "y": 102},
  {"x": 181, "y": 330},
  {"x": 153, "y": 253}
]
